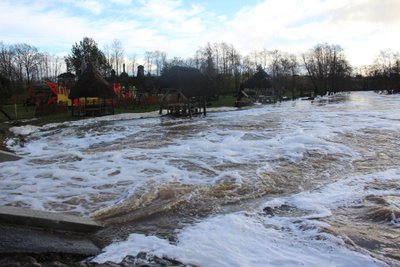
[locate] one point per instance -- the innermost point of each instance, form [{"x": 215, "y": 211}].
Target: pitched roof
[
  {"x": 66, "y": 75},
  {"x": 190, "y": 81},
  {"x": 92, "y": 84}
]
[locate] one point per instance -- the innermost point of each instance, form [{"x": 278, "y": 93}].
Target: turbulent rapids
[{"x": 292, "y": 183}]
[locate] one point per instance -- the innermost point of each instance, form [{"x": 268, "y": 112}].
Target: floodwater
[{"x": 313, "y": 183}]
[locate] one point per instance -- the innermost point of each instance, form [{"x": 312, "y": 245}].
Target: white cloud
[
  {"x": 383, "y": 12},
  {"x": 93, "y": 6},
  {"x": 172, "y": 17},
  {"x": 121, "y": 2},
  {"x": 361, "y": 27},
  {"x": 22, "y": 23},
  {"x": 296, "y": 26}
]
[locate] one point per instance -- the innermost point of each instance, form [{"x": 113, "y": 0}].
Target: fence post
[{"x": 15, "y": 110}]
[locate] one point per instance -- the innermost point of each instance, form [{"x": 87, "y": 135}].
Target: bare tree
[
  {"x": 275, "y": 66},
  {"x": 45, "y": 65},
  {"x": 28, "y": 58},
  {"x": 50, "y": 66},
  {"x": 294, "y": 69},
  {"x": 56, "y": 65},
  {"x": 216, "y": 55},
  {"x": 235, "y": 64},
  {"x": 160, "y": 59},
  {"x": 7, "y": 60},
  {"x": 24, "y": 63},
  {"x": 108, "y": 55},
  {"x": 248, "y": 66},
  {"x": 279, "y": 69},
  {"x": 327, "y": 66},
  {"x": 208, "y": 64},
  {"x": 263, "y": 58},
  {"x": 384, "y": 73},
  {"x": 117, "y": 52},
  {"x": 255, "y": 59},
  {"x": 148, "y": 59},
  {"x": 132, "y": 63}
]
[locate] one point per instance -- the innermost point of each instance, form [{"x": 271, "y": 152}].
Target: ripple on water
[{"x": 157, "y": 175}]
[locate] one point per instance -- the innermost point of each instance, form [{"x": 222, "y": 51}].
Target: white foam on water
[
  {"x": 256, "y": 239},
  {"x": 86, "y": 165},
  {"x": 115, "y": 155},
  {"x": 342, "y": 193},
  {"x": 241, "y": 239},
  {"x": 24, "y": 130}
]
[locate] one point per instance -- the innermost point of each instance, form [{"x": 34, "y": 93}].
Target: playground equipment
[{"x": 60, "y": 94}]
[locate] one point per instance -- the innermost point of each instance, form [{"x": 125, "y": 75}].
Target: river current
[{"x": 314, "y": 183}]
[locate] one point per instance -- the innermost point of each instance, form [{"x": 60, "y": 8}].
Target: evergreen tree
[{"x": 84, "y": 53}]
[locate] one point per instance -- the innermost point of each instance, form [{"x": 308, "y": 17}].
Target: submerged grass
[
  {"x": 22, "y": 115},
  {"x": 224, "y": 101}
]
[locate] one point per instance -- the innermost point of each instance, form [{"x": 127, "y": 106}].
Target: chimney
[{"x": 140, "y": 71}]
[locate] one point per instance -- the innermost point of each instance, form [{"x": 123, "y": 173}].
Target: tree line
[
  {"x": 24, "y": 64},
  {"x": 322, "y": 68}
]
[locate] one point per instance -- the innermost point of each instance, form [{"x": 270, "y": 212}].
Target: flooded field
[{"x": 294, "y": 183}]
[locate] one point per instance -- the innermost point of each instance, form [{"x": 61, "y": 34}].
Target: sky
[{"x": 179, "y": 27}]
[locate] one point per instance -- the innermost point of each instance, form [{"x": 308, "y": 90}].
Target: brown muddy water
[{"x": 331, "y": 161}]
